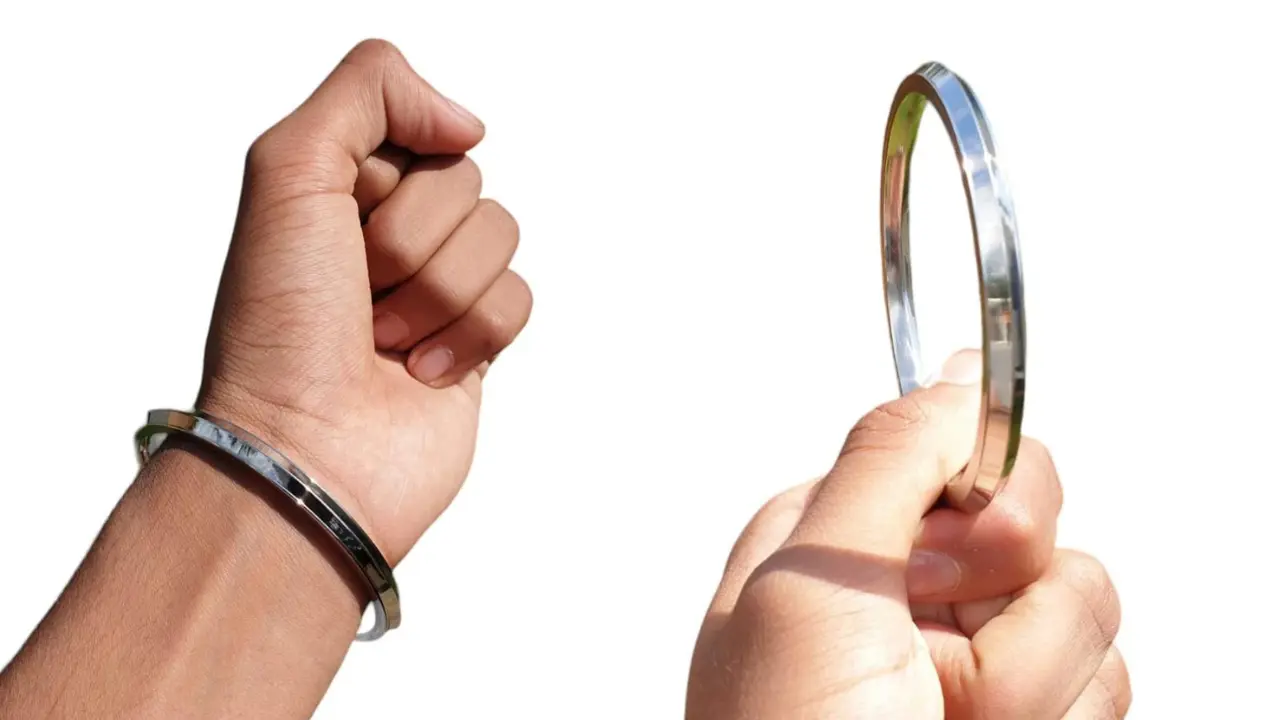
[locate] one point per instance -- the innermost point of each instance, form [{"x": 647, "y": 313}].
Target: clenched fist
[
  {"x": 365, "y": 293},
  {"x": 849, "y": 598}
]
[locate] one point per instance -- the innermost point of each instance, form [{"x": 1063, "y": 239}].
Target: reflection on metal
[{"x": 995, "y": 237}]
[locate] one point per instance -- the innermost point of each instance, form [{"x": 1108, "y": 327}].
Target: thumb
[
  {"x": 372, "y": 97},
  {"x": 298, "y": 208},
  {"x": 894, "y": 466},
  {"x": 834, "y": 596}
]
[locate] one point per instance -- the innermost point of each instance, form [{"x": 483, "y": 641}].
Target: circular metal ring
[
  {"x": 287, "y": 477},
  {"x": 995, "y": 238}
]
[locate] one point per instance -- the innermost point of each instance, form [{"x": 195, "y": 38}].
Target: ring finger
[{"x": 487, "y": 327}]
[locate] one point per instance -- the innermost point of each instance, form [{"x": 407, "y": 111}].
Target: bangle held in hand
[
  {"x": 995, "y": 236},
  {"x": 273, "y": 466}
]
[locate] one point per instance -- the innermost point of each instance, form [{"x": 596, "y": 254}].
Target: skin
[
  {"x": 361, "y": 246},
  {"x": 854, "y": 597},
  {"x": 365, "y": 293}
]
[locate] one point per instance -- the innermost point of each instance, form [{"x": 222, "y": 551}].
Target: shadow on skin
[
  {"x": 786, "y": 578},
  {"x": 781, "y": 598}
]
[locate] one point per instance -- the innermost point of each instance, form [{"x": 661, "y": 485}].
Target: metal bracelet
[
  {"x": 995, "y": 236},
  {"x": 290, "y": 479}
]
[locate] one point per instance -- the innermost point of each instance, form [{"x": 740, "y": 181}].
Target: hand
[
  {"x": 378, "y": 401},
  {"x": 844, "y": 599}
]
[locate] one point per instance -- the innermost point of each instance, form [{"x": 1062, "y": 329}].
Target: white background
[{"x": 697, "y": 189}]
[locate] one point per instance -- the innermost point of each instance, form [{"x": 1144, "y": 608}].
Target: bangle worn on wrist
[{"x": 290, "y": 479}]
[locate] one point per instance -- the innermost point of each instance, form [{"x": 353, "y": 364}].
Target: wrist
[
  {"x": 309, "y": 498},
  {"x": 295, "y": 434},
  {"x": 202, "y": 583},
  {"x": 236, "y": 521}
]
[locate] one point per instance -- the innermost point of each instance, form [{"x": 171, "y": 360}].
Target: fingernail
[
  {"x": 463, "y": 113},
  {"x": 963, "y": 368},
  {"x": 432, "y": 364},
  {"x": 388, "y": 329},
  {"x": 931, "y": 573}
]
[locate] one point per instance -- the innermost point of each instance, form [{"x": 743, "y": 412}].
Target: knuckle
[
  {"x": 789, "y": 501},
  {"x": 1086, "y": 577},
  {"x": 288, "y": 161},
  {"x": 777, "y": 518},
  {"x": 889, "y": 425},
  {"x": 1110, "y": 692},
  {"x": 498, "y": 323},
  {"x": 266, "y": 152},
  {"x": 1042, "y": 451},
  {"x": 375, "y": 51},
  {"x": 521, "y": 298},
  {"x": 469, "y": 176},
  {"x": 498, "y": 327},
  {"x": 1118, "y": 686},
  {"x": 782, "y": 510},
  {"x": 767, "y": 603},
  {"x": 498, "y": 218},
  {"x": 771, "y": 599},
  {"x": 501, "y": 232},
  {"x": 1026, "y": 541},
  {"x": 1035, "y": 452},
  {"x": 1023, "y": 529},
  {"x": 1035, "y": 457}
]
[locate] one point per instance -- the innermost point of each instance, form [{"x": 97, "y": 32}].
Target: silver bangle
[
  {"x": 995, "y": 236},
  {"x": 291, "y": 480}
]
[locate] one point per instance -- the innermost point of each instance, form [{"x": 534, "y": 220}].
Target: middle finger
[{"x": 407, "y": 228}]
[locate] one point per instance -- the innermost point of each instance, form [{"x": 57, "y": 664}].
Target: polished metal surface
[
  {"x": 995, "y": 237},
  {"x": 290, "y": 479}
]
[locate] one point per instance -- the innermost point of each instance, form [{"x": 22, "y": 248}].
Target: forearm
[{"x": 203, "y": 597}]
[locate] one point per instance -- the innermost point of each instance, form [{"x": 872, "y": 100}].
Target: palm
[
  {"x": 900, "y": 680},
  {"x": 407, "y": 452}
]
